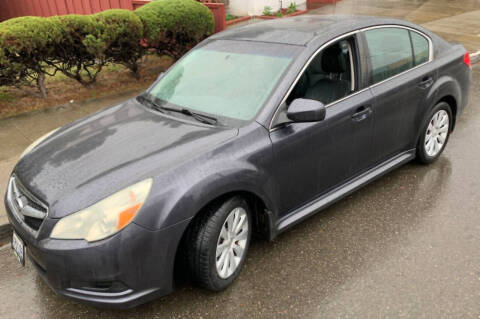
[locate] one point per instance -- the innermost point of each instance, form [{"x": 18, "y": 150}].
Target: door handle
[
  {"x": 362, "y": 113},
  {"x": 426, "y": 82}
]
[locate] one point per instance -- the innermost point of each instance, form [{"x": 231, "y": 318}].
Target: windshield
[{"x": 225, "y": 78}]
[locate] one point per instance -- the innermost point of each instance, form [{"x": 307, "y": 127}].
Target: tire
[
  {"x": 204, "y": 238},
  {"x": 430, "y": 149}
]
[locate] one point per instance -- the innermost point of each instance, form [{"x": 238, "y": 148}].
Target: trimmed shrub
[
  {"x": 79, "y": 53},
  {"x": 25, "y": 44},
  {"x": 172, "y": 27},
  {"x": 119, "y": 35},
  {"x": 80, "y": 45}
]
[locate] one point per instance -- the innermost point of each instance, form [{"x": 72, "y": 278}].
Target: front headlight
[
  {"x": 36, "y": 142},
  {"x": 106, "y": 217}
]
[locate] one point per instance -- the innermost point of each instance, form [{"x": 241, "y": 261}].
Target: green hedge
[
  {"x": 25, "y": 44},
  {"x": 174, "y": 26},
  {"x": 80, "y": 45},
  {"x": 119, "y": 35},
  {"x": 78, "y": 54}
]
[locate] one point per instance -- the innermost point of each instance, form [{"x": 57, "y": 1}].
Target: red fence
[{"x": 18, "y": 8}]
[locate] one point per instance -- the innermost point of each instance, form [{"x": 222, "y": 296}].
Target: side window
[
  {"x": 390, "y": 52},
  {"x": 421, "y": 49},
  {"x": 330, "y": 76}
]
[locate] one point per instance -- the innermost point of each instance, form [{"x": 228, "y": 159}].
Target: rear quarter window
[
  {"x": 421, "y": 49},
  {"x": 389, "y": 51}
]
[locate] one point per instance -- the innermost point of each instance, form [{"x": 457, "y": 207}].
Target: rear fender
[{"x": 443, "y": 87}]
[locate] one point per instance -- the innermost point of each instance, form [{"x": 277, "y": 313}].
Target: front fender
[
  {"x": 239, "y": 165},
  {"x": 243, "y": 177}
]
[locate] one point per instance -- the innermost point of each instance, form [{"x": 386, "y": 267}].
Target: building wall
[{"x": 255, "y": 7}]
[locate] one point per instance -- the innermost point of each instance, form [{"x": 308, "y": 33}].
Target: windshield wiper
[
  {"x": 197, "y": 116},
  {"x": 151, "y": 102}
]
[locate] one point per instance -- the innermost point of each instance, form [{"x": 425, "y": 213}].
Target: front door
[{"x": 314, "y": 157}]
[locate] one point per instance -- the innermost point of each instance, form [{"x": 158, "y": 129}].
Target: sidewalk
[
  {"x": 16, "y": 133},
  {"x": 457, "y": 21},
  {"x": 454, "y": 20}
]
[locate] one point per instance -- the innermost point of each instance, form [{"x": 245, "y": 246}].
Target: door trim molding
[{"x": 341, "y": 191}]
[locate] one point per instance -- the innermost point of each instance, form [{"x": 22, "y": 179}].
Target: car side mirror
[{"x": 305, "y": 110}]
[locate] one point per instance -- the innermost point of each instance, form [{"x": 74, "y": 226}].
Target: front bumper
[{"x": 122, "y": 271}]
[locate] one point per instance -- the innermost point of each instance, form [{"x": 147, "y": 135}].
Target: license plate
[{"x": 18, "y": 248}]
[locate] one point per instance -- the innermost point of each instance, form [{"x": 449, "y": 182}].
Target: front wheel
[
  {"x": 218, "y": 242},
  {"x": 435, "y": 134}
]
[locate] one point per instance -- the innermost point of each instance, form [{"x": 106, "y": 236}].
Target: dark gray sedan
[{"x": 253, "y": 131}]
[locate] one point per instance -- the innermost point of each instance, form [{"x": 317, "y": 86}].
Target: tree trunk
[
  {"x": 134, "y": 68},
  {"x": 41, "y": 85}
]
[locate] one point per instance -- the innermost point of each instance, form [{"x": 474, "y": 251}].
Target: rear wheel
[
  {"x": 218, "y": 242},
  {"x": 435, "y": 134}
]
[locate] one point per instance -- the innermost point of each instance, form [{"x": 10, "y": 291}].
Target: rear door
[{"x": 399, "y": 77}]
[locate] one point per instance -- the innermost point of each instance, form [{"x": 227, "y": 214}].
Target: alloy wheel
[
  {"x": 232, "y": 242},
  {"x": 437, "y": 132}
]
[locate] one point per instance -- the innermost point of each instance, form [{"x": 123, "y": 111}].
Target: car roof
[{"x": 301, "y": 30}]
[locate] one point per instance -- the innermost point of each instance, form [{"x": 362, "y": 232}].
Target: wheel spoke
[
  {"x": 242, "y": 236},
  {"x": 443, "y": 129},
  {"x": 428, "y": 147},
  {"x": 238, "y": 250},
  {"x": 441, "y": 138},
  {"x": 240, "y": 224},
  {"x": 226, "y": 262},
  {"x": 232, "y": 265},
  {"x": 428, "y": 138},
  {"x": 223, "y": 233},
  {"x": 236, "y": 217},
  {"x": 443, "y": 121},
  {"x": 222, "y": 261},
  {"x": 431, "y": 147},
  {"x": 229, "y": 222},
  {"x": 221, "y": 248}
]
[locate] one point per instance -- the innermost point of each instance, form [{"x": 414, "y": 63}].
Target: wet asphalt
[{"x": 407, "y": 245}]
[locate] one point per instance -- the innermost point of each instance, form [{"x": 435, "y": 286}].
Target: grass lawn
[
  {"x": 230, "y": 17},
  {"x": 61, "y": 89}
]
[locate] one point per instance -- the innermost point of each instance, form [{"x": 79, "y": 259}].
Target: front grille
[
  {"x": 33, "y": 223},
  {"x": 26, "y": 208}
]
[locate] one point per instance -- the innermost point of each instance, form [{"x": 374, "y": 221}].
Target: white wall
[{"x": 255, "y": 7}]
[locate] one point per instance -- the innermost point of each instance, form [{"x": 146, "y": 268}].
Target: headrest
[
  {"x": 315, "y": 66},
  {"x": 333, "y": 61}
]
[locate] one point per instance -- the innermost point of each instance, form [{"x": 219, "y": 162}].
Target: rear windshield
[{"x": 226, "y": 78}]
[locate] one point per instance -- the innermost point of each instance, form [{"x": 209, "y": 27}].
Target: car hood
[{"x": 96, "y": 156}]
